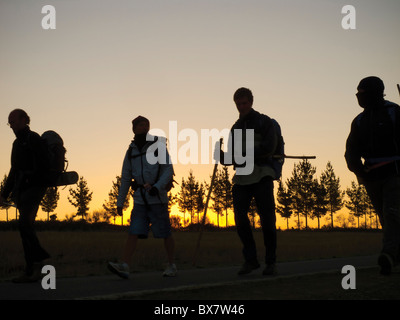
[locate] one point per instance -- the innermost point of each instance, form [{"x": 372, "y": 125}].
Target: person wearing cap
[
  {"x": 373, "y": 155},
  {"x": 150, "y": 197}
]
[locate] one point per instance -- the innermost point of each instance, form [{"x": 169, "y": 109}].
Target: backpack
[
  {"x": 384, "y": 128},
  {"x": 277, "y": 162},
  {"x": 55, "y": 154}
]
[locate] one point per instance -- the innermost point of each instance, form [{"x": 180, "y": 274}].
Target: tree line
[{"x": 302, "y": 195}]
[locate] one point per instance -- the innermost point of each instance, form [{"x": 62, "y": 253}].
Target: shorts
[{"x": 155, "y": 217}]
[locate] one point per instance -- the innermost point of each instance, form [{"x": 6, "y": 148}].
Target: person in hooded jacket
[
  {"x": 149, "y": 181},
  {"x": 373, "y": 154}
]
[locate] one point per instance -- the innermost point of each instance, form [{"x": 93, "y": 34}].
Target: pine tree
[
  {"x": 81, "y": 198},
  {"x": 252, "y": 214},
  {"x": 5, "y": 206},
  {"x": 332, "y": 185},
  {"x": 188, "y": 195},
  {"x": 321, "y": 201},
  {"x": 301, "y": 189},
  {"x": 357, "y": 203},
  {"x": 285, "y": 203},
  {"x": 217, "y": 197},
  {"x": 50, "y": 200},
  {"x": 111, "y": 205},
  {"x": 199, "y": 201},
  {"x": 226, "y": 192},
  {"x": 222, "y": 194}
]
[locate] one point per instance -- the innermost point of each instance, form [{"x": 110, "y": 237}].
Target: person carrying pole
[
  {"x": 257, "y": 130},
  {"x": 375, "y": 138}
]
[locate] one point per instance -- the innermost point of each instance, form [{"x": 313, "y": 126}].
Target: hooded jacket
[{"x": 136, "y": 166}]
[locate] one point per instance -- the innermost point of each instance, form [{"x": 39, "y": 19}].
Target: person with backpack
[
  {"x": 257, "y": 184},
  {"x": 150, "y": 183},
  {"x": 26, "y": 183},
  {"x": 373, "y": 155}
]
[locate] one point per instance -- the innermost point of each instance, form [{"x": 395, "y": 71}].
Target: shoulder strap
[{"x": 129, "y": 151}]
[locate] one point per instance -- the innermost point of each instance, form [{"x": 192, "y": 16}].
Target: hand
[
  {"x": 134, "y": 185},
  {"x": 218, "y": 153},
  {"x": 147, "y": 186},
  {"x": 153, "y": 191}
]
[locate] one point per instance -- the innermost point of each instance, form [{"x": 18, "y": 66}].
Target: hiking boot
[
  {"x": 269, "y": 270},
  {"x": 385, "y": 261},
  {"x": 170, "y": 271},
  {"x": 248, "y": 267},
  {"x": 120, "y": 269}
]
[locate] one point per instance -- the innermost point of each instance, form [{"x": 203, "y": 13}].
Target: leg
[
  {"x": 242, "y": 196},
  {"x": 264, "y": 196},
  {"x": 169, "y": 244},
  {"x": 28, "y": 206},
  {"x": 391, "y": 217},
  {"x": 130, "y": 248},
  {"x": 139, "y": 228},
  {"x": 161, "y": 228},
  {"x": 385, "y": 196}
]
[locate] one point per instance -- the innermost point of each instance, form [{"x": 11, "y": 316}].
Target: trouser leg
[
  {"x": 264, "y": 196},
  {"x": 28, "y": 207},
  {"x": 242, "y": 196}
]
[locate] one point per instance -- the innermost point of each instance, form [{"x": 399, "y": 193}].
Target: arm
[
  {"x": 126, "y": 178},
  {"x": 165, "y": 174},
  {"x": 353, "y": 152}
]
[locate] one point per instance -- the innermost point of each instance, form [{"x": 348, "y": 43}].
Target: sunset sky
[{"x": 181, "y": 60}]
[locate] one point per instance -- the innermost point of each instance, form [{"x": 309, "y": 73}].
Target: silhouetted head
[
  {"x": 18, "y": 119},
  {"x": 243, "y": 98},
  {"x": 140, "y": 125},
  {"x": 370, "y": 92}
]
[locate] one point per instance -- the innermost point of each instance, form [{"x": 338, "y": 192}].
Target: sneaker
[
  {"x": 170, "y": 271},
  {"x": 385, "y": 261},
  {"x": 270, "y": 269},
  {"x": 120, "y": 269},
  {"x": 248, "y": 267}
]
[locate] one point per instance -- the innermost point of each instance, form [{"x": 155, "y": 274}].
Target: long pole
[
  {"x": 398, "y": 88},
  {"x": 293, "y": 157},
  {"x": 205, "y": 210}
]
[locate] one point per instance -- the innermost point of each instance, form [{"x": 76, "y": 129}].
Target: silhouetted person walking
[
  {"x": 257, "y": 184},
  {"x": 26, "y": 184},
  {"x": 149, "y": 182},
  {"x": 375, "y": 138}
]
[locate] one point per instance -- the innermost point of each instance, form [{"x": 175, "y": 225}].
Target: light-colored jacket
[{"x": 136, "y": 166}]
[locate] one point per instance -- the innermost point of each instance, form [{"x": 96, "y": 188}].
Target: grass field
[{"x": 77, "y": 253}]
